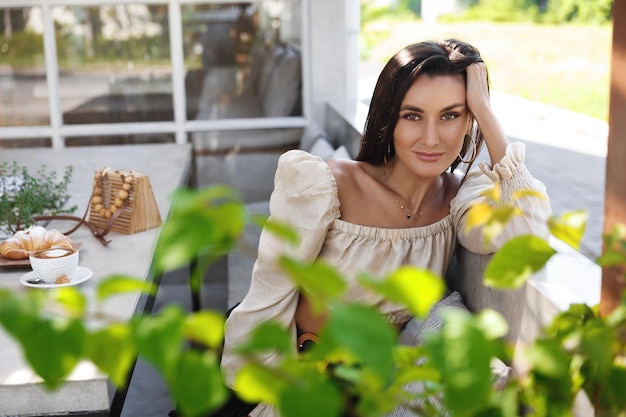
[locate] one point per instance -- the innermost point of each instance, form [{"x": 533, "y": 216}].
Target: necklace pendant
[{"x": 408, "y": 216}]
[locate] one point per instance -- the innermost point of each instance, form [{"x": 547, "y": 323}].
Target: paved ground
[{"x": 565, "y": 150}]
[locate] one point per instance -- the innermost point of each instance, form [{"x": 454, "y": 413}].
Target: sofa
[
  {"x": 246, "y": 159},
  {"x": 269, "y": 86}
]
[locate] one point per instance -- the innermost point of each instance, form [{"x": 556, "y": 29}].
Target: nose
[{"x": 430, "y": 133}]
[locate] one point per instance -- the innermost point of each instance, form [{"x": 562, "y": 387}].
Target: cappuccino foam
[{"x": 53, "y": 253}]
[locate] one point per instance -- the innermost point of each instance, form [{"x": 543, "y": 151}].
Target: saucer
[{"x": 79, "y": 276}]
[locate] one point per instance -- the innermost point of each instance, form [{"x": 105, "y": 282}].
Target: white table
[{"x": 88, "y": 392}]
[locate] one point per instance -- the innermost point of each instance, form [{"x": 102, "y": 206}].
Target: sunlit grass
[{"x": 566, "y": 66}]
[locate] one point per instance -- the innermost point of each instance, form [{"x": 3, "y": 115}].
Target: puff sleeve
[
  {"x": 305, "y": 197},
  {"x": 512, "y": 175}
]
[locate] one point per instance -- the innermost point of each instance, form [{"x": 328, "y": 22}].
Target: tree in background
[
  {"x": 597, "y": 11},
  {"x": 541, "y": 11}
]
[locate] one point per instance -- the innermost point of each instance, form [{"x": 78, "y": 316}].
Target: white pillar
[{"x": 334, "y": 29}]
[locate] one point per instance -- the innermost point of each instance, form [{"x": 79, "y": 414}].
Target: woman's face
[{"x": 432, "y": 122}]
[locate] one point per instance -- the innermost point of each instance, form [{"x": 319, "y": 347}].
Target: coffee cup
[{"x": 54, "y": 263}]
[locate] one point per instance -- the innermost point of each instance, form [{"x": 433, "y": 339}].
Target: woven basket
[{"x": 124, "y": 201}]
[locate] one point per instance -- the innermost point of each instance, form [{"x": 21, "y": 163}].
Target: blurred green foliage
[
  {"x": 22, "y": 48},
  {"x": 546, "y": 11},
  {"x": 357, "y": 368}
]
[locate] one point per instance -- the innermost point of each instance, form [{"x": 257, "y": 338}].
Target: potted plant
[{"x": 24, "y": 196}]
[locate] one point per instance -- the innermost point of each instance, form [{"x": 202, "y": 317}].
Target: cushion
[
  {"x": 416, "y": 330},
  {"x": 323, "y": 149},
  {"x": 341, "y": 153},
  {"x": 311, "y": 133}
]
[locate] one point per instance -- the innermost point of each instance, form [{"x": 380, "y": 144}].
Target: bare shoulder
[
  {"x": 352, "y": 177},
  {"x": 344, "y": 170}
]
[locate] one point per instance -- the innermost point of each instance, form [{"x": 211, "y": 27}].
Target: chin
[{"x": 433, "y": 172}]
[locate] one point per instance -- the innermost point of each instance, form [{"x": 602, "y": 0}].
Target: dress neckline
[{"x": 383, "y": 233}]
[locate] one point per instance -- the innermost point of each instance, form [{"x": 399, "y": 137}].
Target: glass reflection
[
  {"x": 114, "y": 63},
  {"x": 237, "y": 64},
  {"x": 23, "y": 88}
]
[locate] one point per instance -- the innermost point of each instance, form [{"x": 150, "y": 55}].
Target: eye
[
  {"x": 449, "y": 116},
  {"x": 412, "y": 116}
]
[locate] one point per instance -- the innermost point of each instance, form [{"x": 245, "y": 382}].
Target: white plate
[{"x": 79, "y": 276}]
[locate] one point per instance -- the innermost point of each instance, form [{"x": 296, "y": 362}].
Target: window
[
  {"x": 70, "y": 72},
  {"x": 23, "y": 89},
  {"x": 237, "y": 64}
]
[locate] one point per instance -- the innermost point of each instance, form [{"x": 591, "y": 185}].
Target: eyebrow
[{"x": 419, "y": 110}]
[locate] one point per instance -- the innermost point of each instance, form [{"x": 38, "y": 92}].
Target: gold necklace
[{"x": 404, "y": 207}]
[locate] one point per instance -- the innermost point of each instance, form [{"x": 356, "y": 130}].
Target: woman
[{"x": 400, "y": 202}]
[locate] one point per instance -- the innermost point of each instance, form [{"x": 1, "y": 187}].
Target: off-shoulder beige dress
[{"x": 305, "y": 196}]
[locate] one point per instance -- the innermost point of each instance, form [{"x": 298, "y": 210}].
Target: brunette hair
[{"x": 448, "y": 57}]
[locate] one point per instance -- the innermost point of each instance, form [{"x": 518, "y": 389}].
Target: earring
[
  {"x": 388, "y": 154},
  {"x": 471, "y": 139}
]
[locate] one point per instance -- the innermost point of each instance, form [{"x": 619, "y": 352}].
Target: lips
[{"x": 429, "y": 157}]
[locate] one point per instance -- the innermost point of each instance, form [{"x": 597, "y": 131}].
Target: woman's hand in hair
[
  {"x": 480, "y": 107},
  {"x": 477, "y": 88}
]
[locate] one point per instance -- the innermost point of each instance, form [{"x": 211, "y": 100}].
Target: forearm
[
  {"x": 478, "y": 101},
  {"x": 493, "y": 133}
]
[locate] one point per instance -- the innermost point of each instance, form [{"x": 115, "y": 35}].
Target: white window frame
[{"x": 180, "y": 127}]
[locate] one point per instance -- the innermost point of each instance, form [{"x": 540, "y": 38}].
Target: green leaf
[
  {"x": 111, "y": 349},
  {"x": 597, "y": 343},
  {"x": 54, "y": 348},
  {"x": 570, "y": 322},
  {"x": 310, "y": 398},
  {"x": 525, "y": 193},
  {"x": 612, "y": 392},
  {"x": 72, "y": 300},
  {"x": 19, "y": 315},
  {"x": 197, "y": 385},
  {"x": 121, "y": 284},
  {"x": 255, "y": 383},
  {"x": 268, "y": 336},
  {"x": 569, "y": 227},
  {"x": 159, "y": 338},
  {"x": 492, "y": 323},
  {"x": 517, "y": 261},
  {"x": 552, "y": 384},
  {"x": 614, "y": 247},
  {"x": 318, "y": 279},
  {"x": 499, "y": 218},
  {"x": 549, "y": 360},
  {"x": 364, "y": 333},
  {"x": 417, "y": 289},
  {"x": 492, "y": 194},
  {"x": 210, "y": 220},
  {"x": 609, "y": 259},
  {"x": 205, "y": 327},
  {"x": 412, "y": 373},
  {"x": 462, "y": 352},
  {"x": 279, "y": 229},
  {"x": 478, "y": 215}
]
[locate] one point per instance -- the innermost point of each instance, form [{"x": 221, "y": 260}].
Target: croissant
[{"x": 22, "y": 243}]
